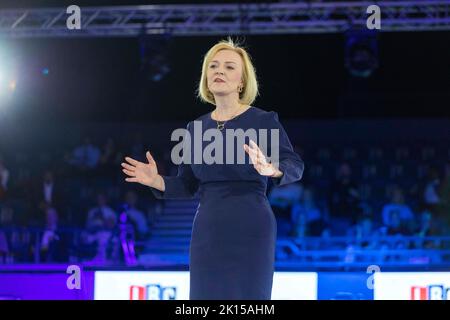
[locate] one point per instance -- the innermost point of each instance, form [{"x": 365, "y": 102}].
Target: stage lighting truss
[{"x": 223, "y": 19}]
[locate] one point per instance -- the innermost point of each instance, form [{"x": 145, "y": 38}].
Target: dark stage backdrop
[{"x": 301, "y": 76}]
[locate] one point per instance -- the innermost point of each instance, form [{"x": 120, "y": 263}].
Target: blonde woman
[{"x": 232, "y": 248}]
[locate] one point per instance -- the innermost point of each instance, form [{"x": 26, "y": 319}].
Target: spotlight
[
  {"x": 361, "y": 53},
  {"x": 2, "y": 85},
  {"x": 12, "y": 85},
  {"x": 153, "y": 53}
]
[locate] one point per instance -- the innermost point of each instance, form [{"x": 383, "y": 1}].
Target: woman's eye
[
  {"x": 230, "y": 68},
  {"x": 213, "y": 66}
]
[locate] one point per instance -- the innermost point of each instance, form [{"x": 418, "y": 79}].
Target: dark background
[{"x": 300, "y": 76}]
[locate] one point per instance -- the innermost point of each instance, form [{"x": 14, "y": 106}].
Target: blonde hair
[{"x": 250, "y": 84}]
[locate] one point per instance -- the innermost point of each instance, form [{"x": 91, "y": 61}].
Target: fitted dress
[{"x": 232, "y": 247}]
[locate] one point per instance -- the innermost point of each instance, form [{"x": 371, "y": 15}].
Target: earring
[{"x": 240, "y": 89}]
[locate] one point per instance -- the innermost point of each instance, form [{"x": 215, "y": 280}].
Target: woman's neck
[{"x": 226, "y": 107}]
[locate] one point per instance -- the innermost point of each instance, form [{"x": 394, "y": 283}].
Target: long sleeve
[
  {"x": 182, "y": 186},
  {"x": 290, "y": 162}
]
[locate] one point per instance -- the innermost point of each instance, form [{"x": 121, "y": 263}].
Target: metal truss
[{"x": 226, "y": 19}]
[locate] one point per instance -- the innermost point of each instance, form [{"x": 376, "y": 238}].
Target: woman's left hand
[{"x": 259, "y": 161}]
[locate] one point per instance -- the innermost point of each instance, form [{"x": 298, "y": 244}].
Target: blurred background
[{"x": 367, "y": 110}]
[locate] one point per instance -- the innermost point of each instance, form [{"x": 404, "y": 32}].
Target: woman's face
[{"x": 224, "y": 73}]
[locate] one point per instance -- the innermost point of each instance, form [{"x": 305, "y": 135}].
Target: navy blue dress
[{"x": 232, "y": 249}]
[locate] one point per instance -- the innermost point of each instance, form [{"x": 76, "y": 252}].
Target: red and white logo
[
  {"x": 431, "y": 292},
  {"x": 153, "y": 292}
]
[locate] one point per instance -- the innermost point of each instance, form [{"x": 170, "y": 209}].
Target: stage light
[
  {"x": 1, "y": 83},
  {"x": 45, "y": 71},
  {"x": 361, "y": 53},
  {"x": 12, "y": 85},
  {"x": 153, "y": 51}
]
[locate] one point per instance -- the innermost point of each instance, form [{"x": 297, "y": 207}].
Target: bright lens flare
[{"x": 12, "y": 85}]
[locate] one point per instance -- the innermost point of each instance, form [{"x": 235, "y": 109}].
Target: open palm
[
  {"x": 143, "y": 173},
  {"x": 259, "y": 160}
]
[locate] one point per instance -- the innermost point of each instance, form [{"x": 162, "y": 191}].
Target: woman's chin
[{"x": 220, "y": 93}]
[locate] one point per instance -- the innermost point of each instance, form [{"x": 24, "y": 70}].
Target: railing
[
  {"x": 68, "y": 244},
  {"x": 119, "y": 247},
  {"x": 351, "y": 252}
]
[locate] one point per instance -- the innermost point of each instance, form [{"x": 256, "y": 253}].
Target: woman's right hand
[{"x": 143, "y": 173}]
